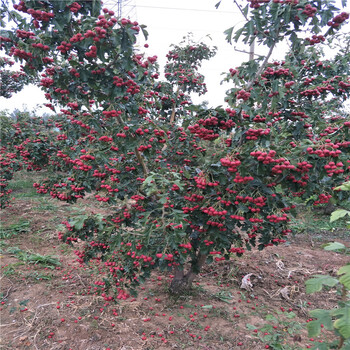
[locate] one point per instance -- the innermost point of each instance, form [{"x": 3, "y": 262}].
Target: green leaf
[
  {"x": 270, "y": 317},
  {"x": 207, "y": 307},
  {"x": 24, "y": 302},
  {"x": 96, "y": 7},
  {"x": 322, "y": 317},
  {"x": 320, "y": 346},
  {"x": 57, "y": 25},
  {"x": 286, "y": 15},
  {"x": 237, "y": 35},
  {"x": 144, "y": 31},
  {"x": 228, "y": 32},
  {"x": 337, "y": 214},
  {"x": 79, "y": 221},
  {"x": 251, "y": 327},
  {"x": 316, "y": 283},
  {"x": 61, "y": 5},
  {"x": 344, "y": 187},
  {"x": 342, "y": 324},
  {"x": 345, "y": 278},
  {"x": 245, "y": 10},
  {"x": 291, "y": 315},
  {"x": 334, "y": 246}
]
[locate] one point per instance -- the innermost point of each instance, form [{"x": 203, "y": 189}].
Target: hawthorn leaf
[
  {"x": 144, "y": 31},
  {"x": 228, "y": 32},
  {"x": 57, "y": 25},
  {"x": 79, "y": 221},
  {"x": 238, "y": 33}
]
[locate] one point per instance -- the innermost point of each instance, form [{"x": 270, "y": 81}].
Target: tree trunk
[
  {"x": 182, "y": 281},
  {"x": 329, "y": 209}
]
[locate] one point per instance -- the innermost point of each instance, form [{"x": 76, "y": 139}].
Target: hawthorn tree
[
  {"x": 185, "y": 185},
  {"x": 27, "y": 143},
  {"x": 11, "y": 81}
]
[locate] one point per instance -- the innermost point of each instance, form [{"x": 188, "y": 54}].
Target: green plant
[
  {"x": 22, "y": 226},
  {"x": 10, "y": 269},
  {"x": 275, "y": 333},
  {"x": 341, "y": 213},
  {"x": 39, "y": 276},
  {"x": 337, "y": 319},
  {"x": 33, "y": 258}
]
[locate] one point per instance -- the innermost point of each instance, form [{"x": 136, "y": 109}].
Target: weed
[
  {"x": 46, "y": 207},
  {"x": 33, "y": 258},
  {"x": 23, "y": 188},
  {"x": 225, "y": 296},
  {"x": 10, "y": 270},
  {"x": 22, "y": 226},
  {"x": 38, "y": 276},
  {"x": 276, "y": 333},
  {"x": 65, "y": 249},
  {"x": 3, "y": 245}
]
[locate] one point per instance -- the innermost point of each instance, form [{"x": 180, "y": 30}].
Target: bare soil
[{"x": 58, "y": 307}]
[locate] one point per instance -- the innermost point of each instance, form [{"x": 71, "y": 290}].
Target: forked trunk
[{"x": 182, "y": 281}]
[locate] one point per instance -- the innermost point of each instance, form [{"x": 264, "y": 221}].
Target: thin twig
[
  {"x": 7, "y": 294},
  {"x": 247, "y": 52},
  {"x": 239, "y": 7},
  {"x": 9, "y": 13}
]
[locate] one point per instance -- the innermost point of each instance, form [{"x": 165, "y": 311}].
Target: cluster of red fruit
[
  {"x": 92, "y": 53},
  {"x": 309, "y": 10},
  {"x": 41, "y": 46},
  {"x": 323, "y": 199},
  {"x": 334, "y": 168},
  {"x": 106, "y": 22},
  {"x": 232, "y": 164},
  {"x": 21, "y": 54},
  {"x": 75, "y": 7},
  {"x": 37, "y": 15},
  {"x": 337, "y": 20},
  {"x": 254, "y": 134},
  {"x": 316, "y": 39},
  {"x": 64, "y": 47},
  {"x": 203, "y": 133},
  {"x": 269, "y": 71},
  {"x": 243, "y": 95},
  {"x": 255, "y": 4},
  {"x": 24, "y": 34}
]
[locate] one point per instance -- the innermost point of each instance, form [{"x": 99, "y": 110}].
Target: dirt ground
[{"x": 48, "y": 306}]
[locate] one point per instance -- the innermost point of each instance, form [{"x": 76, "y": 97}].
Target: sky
[{"x": 167, "y": 23}]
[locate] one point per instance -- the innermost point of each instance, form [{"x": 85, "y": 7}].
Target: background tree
[{"x": 11, "y": 81}]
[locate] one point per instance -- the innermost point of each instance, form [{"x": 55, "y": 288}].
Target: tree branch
[
  {"x": 262, "y": 67},
  {"x": 141, "y": 161},
  {"x": 173, "y": 111}
]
